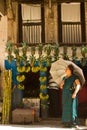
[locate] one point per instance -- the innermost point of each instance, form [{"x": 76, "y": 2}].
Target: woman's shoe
[
  {"x": 68, "y": 125},
  {"x": 76, "y": 126}
]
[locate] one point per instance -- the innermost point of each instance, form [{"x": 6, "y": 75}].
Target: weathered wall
[
  {"x": 3, "y": 39},
  {"x": 6, "y": 33},
  {"x": 51, "y": 23},
  {"x": 51, "y": 29},
  {"x": 86, "y": 18},
  {"x": 12, "y": 22}
]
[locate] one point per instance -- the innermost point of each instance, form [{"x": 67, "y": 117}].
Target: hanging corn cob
[{"x": 6, "y": 109}]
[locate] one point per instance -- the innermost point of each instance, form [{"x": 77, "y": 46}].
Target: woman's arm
[{"x": 77, "y": 82}]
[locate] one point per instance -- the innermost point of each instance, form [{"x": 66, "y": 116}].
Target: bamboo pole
[{"x": 6, "y": 108}]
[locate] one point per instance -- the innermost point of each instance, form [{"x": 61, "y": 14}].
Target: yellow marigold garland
[
  {"x": 27, "y": 69},
  {"x": 42, "y": 79},
  {"x": 20, "y": 78},
  {"x": 35, "y": 69},
  {"x": 44, "y": 69},
  {"x": 43, "y": 87},
  {"x": 21, "y": 86},
  {"x": 21, "y": 69},
  {"x": 43, "y": 97}
]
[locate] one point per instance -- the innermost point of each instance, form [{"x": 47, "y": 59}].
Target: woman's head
[{"x": 69, "y": 70}]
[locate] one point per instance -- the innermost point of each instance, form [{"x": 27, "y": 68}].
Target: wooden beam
[
  {"x": 47, "y": 1},
  {"x": 68, "y": 1},
  {"x": 28, "y": 1}
]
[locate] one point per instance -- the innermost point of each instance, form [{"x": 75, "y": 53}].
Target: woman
[{"x": 70, "y": 86}]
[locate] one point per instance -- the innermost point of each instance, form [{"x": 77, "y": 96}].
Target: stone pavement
[
  {"x": 50, "y": 123},
  {"x": 56, "y": 123}
]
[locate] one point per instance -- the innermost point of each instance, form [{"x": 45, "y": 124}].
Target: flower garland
[
  {"x": 20, "y": 78},
  {"x": 43, "y": 87},
  {"x": 35, "y": 69},
  {"x": 21, "y": 86},
  {"x": 44, "y": 97},
  {"x": 43, "y": 79},
  {"x": 22, "y": 69},
  {"x": 43, "y": 69},
  {"x": 27, "y": 69}
]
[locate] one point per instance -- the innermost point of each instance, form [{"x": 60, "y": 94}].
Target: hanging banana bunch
[
  {"x": 16, "y": 52},
  {"x": 40, "y": 49},
  {"x": 48, "y": 57},
  {"x": 9, "y": 49},
  {"x": 24, "y": 53},
  {"x": 56, "y": 52},
  {"x": 65, "y": 55},
  {"x": 83, "y": 52},
  {"x": 32, "y": 58},
  {"x": 17, "y": 56},
  {"x": 74, "y": 49}
]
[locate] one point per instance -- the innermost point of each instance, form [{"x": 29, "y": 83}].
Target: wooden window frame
[
  {"x": 20, "y": 37},
  {"x": 83, "y": 32}
]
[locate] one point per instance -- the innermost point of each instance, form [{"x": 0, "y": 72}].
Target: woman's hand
[
  {"x": 61, "y": 84},
  {"x": 74, "y": 95}
]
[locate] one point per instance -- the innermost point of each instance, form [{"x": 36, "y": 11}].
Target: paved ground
[
  {"x": 50, "y": 123},
  {"x": 57, "y": 124}
]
